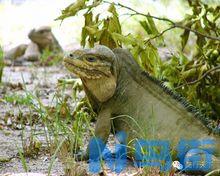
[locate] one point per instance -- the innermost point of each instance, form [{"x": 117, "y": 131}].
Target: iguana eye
[
  {"x": 91, "y": 59},
  {"x": 41, "y": 32}
]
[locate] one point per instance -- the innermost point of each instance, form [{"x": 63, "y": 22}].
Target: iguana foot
[{"x": 81, "y": 156}]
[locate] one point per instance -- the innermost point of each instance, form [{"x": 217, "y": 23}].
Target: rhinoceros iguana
[
  {"x": 41, "y": 39},
  {"x": 128, "y": 99}
]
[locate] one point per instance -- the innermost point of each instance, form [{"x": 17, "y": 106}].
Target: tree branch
[
  {"x": 139, "y": 13},
  {"x": 173, "y": 24},
  {"x": 196, "y": 32},
  {"x": 158, "y": 35},
  {"x": 202, "y": 77}
]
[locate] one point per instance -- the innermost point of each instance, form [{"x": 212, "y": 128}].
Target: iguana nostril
[{"x": 71, "y": 55}]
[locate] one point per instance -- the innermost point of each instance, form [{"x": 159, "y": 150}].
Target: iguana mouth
[{"x": 82, "y": 71}]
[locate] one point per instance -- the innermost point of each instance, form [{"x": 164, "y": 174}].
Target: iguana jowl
[{"x": 128, "y": 99}]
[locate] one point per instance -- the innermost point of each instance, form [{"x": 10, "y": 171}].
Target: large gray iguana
[
  {"x": 129, "y": 99},
  {"x": 41, "y": 38}
]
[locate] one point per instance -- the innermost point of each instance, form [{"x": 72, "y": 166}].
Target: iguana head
[
  {"x": 42, "y": 36},
  {"x": 96, "y": 68}
]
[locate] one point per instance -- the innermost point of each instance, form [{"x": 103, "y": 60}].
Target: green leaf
[
  {"x": 91, "y": 41},
  {"x": 83, "y": 37},
  {"x": 97, "y": 18},
  {"x": 184, "y": 37},
  {"x": 183, "y": 60},
  {"x": 189, "y": 73},
  {"x": 114, "y": 23},
  {"x": 146, "y": 27},
  {"x": 88, "y": 19},
  {"x": 127, "y": 40},
  {"x": 152, "y": 25},
  {"x": 112, "y": 9},
  {"x": 91, "y": 30},
  {"x": 150, "y": 58},
  {"x": 72, "y": 9},
  {"x": 136, "y": 50},
  {"x": 200, "y": 39},
  {"x": 107, "y": 40},
  {"x": 84, "y": 32},
  {"x": 149, "y": 26},
  {"x": 202, "y": 70}
]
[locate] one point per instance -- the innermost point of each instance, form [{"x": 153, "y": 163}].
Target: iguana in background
[
  {"x": 41, "y": 38},
  {"x": 128, "y": 99}
]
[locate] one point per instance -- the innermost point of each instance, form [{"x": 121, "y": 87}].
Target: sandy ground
[{"x": 35, "y": 79}]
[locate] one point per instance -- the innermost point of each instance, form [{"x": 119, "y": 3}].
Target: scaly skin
[{"x": 128, "y": 99}]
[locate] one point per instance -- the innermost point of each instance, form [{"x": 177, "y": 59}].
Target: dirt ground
[{"x": 35, "y": 79}]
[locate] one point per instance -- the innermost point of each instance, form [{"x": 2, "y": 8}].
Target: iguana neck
[{"x": 102, "y": 89}]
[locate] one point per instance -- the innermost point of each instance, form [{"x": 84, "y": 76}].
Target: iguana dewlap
[{"x": 128, "y": 99}]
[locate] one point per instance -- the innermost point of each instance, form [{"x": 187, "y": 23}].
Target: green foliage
[
  {"x": 96, "y": 30},
  {"x": 72, "y": 9},
  {"x": 196, "y": 78},
  {"x": 18, "y": 99},
  {"x": 23, "y": 160},
  {"x": 204, "y": 19},
  {"x": 200, "y": 76},
  {"x": 49, "y": 58}
]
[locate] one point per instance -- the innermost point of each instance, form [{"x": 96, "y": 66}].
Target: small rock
[
  {"x": 9, "y": 122},
  {"x": 177, "y": 165}
]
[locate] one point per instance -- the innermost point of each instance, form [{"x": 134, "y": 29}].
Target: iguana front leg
[
  {"x": 102, "y": 131},
  {"x": 32, "y": 52}
]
